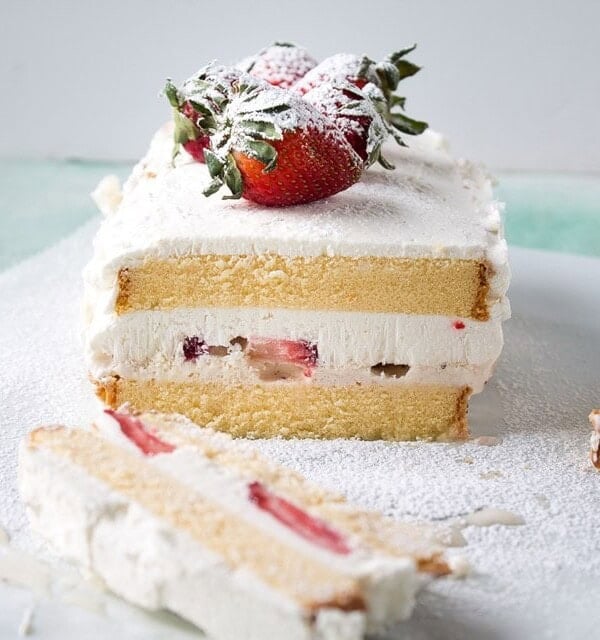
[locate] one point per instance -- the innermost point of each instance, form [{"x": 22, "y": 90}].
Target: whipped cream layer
[
  {"x": 234, "y": 370},
  {"x": 430, "y": 206},
  {"x": 153, "y": 339}
]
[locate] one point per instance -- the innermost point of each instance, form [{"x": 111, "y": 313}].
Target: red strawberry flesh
[
  {"x": 311, "y": 165},
  {"x": 196, "y": 147},
  {"x": 136, "y": 431},
  {"x": 193, "y": 347},
  {"x": 303, "y": 524},
  {"x": 458, "y": 324},
  {"x": 298, "y": 352}
]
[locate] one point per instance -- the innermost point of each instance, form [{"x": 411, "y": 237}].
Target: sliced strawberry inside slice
[
  {"x": 135, "y": 430},
  {"x": 298, "y": 352},
  {"x": 305, "y": 525}
]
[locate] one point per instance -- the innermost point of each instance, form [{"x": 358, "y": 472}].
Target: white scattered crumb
[
  {"x": 487, "y": 441},
  {"x": 22, "y": 569},
  {"x": 4, "y": 537},
  {"x": 26, "y": 625},
  {"x": 491, "y": 474},
  {"x": 451, "y": 535},
  {"x": 490, "y": 516},
  {"x": 542, "y": 500},
  {"x": 459, "y": 566},
  {"x": 108, "y": 195}
]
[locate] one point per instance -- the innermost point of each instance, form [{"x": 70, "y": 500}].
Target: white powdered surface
[{"x": 538, "y": 580}]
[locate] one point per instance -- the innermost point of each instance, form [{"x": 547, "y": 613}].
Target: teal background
[{"x": 42, "y": 201}]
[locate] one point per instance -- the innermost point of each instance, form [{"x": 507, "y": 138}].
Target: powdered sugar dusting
[
  {"x": 335, "y": 69},
  {"x": 538, "y": 403},
  {"x": 280, "y": 65},
  {"x": 351, "y": 110},
  {"x": 263, "y": 107}
]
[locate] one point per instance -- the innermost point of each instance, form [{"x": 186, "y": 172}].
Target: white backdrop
[{"x": 515, "y": 83}]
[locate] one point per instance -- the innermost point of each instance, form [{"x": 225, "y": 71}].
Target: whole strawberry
[
  {"x": 378, "y": 82},
  {"x": 270, "y": 146},
  {"x": 282, "y": 64},
  {"x": 189, "y": 115}
]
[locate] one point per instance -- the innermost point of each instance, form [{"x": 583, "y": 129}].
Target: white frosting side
[
  {"x": 153, "y": 565},
  {"x": 430, "y": 206}
]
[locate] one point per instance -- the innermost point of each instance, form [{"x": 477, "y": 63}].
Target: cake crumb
[
  {"x": 487, "y": 441},
  {"x": 491, "y": 474},
  {"x": 594, "y": 418},
  {"x": 459, "y": 566},
  {"x": 108, "y": 195},
  {"x": 4, "y": 537},
  {"x": 491, "y": 516}
]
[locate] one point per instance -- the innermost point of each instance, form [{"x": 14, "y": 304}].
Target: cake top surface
[{"x": 430, "y": 205}]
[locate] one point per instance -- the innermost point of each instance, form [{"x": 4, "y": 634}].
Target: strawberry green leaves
[
  {"x": 263, "y": 152},
  {"x": 407, "y": 125},
  {"x": 223, "y": 172}
]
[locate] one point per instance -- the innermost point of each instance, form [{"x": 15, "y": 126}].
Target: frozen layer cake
[{"x": 324, "y": 302}]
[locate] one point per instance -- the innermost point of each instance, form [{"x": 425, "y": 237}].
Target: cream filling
[
  {"x": 156, "y": 566},
  {"x": 235, "y": 369},
  {"x": 150, "y": 343}
]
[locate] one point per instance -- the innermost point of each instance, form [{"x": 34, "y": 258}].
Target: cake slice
[{"x": 170, "y": 515}]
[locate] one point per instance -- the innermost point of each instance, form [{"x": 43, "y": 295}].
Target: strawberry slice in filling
[
  {"x": 303, "y": 524},
  {"x": 136, "y": 431},
  {"x": 297, "y": 352}
]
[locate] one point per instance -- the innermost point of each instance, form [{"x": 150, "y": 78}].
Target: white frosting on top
[{"x": 430, "y": 206}]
